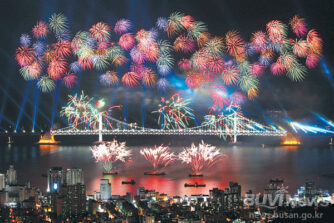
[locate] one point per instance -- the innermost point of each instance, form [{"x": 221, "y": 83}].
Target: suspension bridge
[{"x": 232, "y": 125}]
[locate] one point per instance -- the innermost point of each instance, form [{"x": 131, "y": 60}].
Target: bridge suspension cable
[{"x": 232, "y": 125}]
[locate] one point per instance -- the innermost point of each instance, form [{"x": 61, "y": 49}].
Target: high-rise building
[
  {"x": 11, "y": 176},
  {"x": 76, "y": 195},
  {"x": 274, "y": 187},
  {"x": 105, "y": 189},
  {"x": 74, "y": 176},
  {"x": 141, "y": 190},
  {"x": 310, "y": 190},
  {"x": 217, "y": 198},
  {"x": 2, "y": 198},
  {"x": 70, "y": 201},
  {"x": 2, "y": 181},
  {"x": 55, "y": 179},
  {"x": 232, "y": 197}
]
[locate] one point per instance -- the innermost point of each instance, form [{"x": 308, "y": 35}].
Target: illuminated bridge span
[{"x": 233, "y": 125}]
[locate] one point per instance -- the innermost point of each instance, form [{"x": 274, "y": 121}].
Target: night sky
[{"x": 314, "y": 94}]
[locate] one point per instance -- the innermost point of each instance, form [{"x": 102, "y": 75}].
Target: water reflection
[{"x": 252, "y": 167}]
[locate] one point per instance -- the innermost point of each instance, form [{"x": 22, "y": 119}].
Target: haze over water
[{"x": 250, "y": 166}]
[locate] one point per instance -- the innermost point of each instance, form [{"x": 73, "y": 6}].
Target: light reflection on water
[{"x": 252, "y": 167}]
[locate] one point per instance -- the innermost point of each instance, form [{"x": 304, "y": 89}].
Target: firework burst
[
  {"x": 70, "y": 80},
  {"x": 45, "y": 84},
  {"x": 200, "y": 157},
  {"x": 230, "y": 75},
  {"x": 40, "y": 30},
  {"x": 131, "y": 79},
  {"x": 24, "y": 56},
  {"x": 109, "y": 79},
  {"x": 100, "y": 31},
  {"x": 193, "y": 79},
  {"x": 234, "y": 44},
  {"x": 80, "y": 111},
  {"x": 184, "y": 44},
  {"x": 206, "y": 59},
  {"x": 149, "y": 79},
  {"x": 58, "y": 23},
  {"x": 160, "y": 157},
  {"x": 219, "y": 96},
  {"x": 174, "y": 113},
  {"x": 127, "y": 41},
  {"x": 110, "y": 153},
  {"x": 277, "y": 31},
  {"x": 298, "y": 26},
  {"x": 122, "y": 26}
]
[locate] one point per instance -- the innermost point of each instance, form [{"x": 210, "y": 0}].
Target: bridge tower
[
  {"x": 235, "y": 135},
  {"x": 100, "y": 127}
]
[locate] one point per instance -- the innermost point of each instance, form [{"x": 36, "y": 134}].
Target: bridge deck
[{"x": 170, "y": 132}]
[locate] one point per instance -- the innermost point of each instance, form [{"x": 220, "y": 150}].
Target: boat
[
  {"x": 196, "y": 175},
  {"x": 194, "y": 185},
  {"x": 106, "y": 173},
  {"x": 154, "y": 173},
  {"x": 331, "y": 143},
  {"x": 47, "y": 139},
  {"x": 129, "y": 182}
]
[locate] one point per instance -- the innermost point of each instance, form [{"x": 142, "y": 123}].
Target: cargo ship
[
  {"x": 132, "y": 182},
  {"x": 196, "y": 175},
  {"x": 154, "y": 173},
  {"x": 194, "y": 185}
]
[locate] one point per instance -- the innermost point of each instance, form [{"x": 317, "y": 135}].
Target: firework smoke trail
[
  {"x": 159, "y": 157},
  {"x": 175, "y": 112},
  {"x": 111, "y": 152},
  {"x": 200, "y": 157}
]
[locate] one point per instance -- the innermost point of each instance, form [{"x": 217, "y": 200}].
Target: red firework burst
[
  {"x": 24, "y": 56},
  {"x": 277, "y": 68},
  {"x": 160, "y": 157},
  {"x": 127, "y": 41},
  {"x": 62, "y": 49},
  {"x": 298, "y": 26},
  {"x": 193, "y": 79},
  {"x": 184, "y": 64},
  {"x": 234, "y": 44},
  {"x": 130, "y": 79},
  {"x": 256, "y": 69},
  {"x": 149, "y": 79},
  {"x": 215, "y": 64},
  {"x": 56, "y": 68},
  {"x": 201, "y": 156},
  {"x": 219, "y": 96},
  {"x": 100, "y": 31},
  {"x": 40, "y": 30},
  {"x": 187, "y": 21},
  {"x": 85, "y": 63},
  {"x": 230, "y": 75},
  {"x": 184, "y": 44},
  {"x": 70, "y": 80},
  {"x": 259, "y": 40}
]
